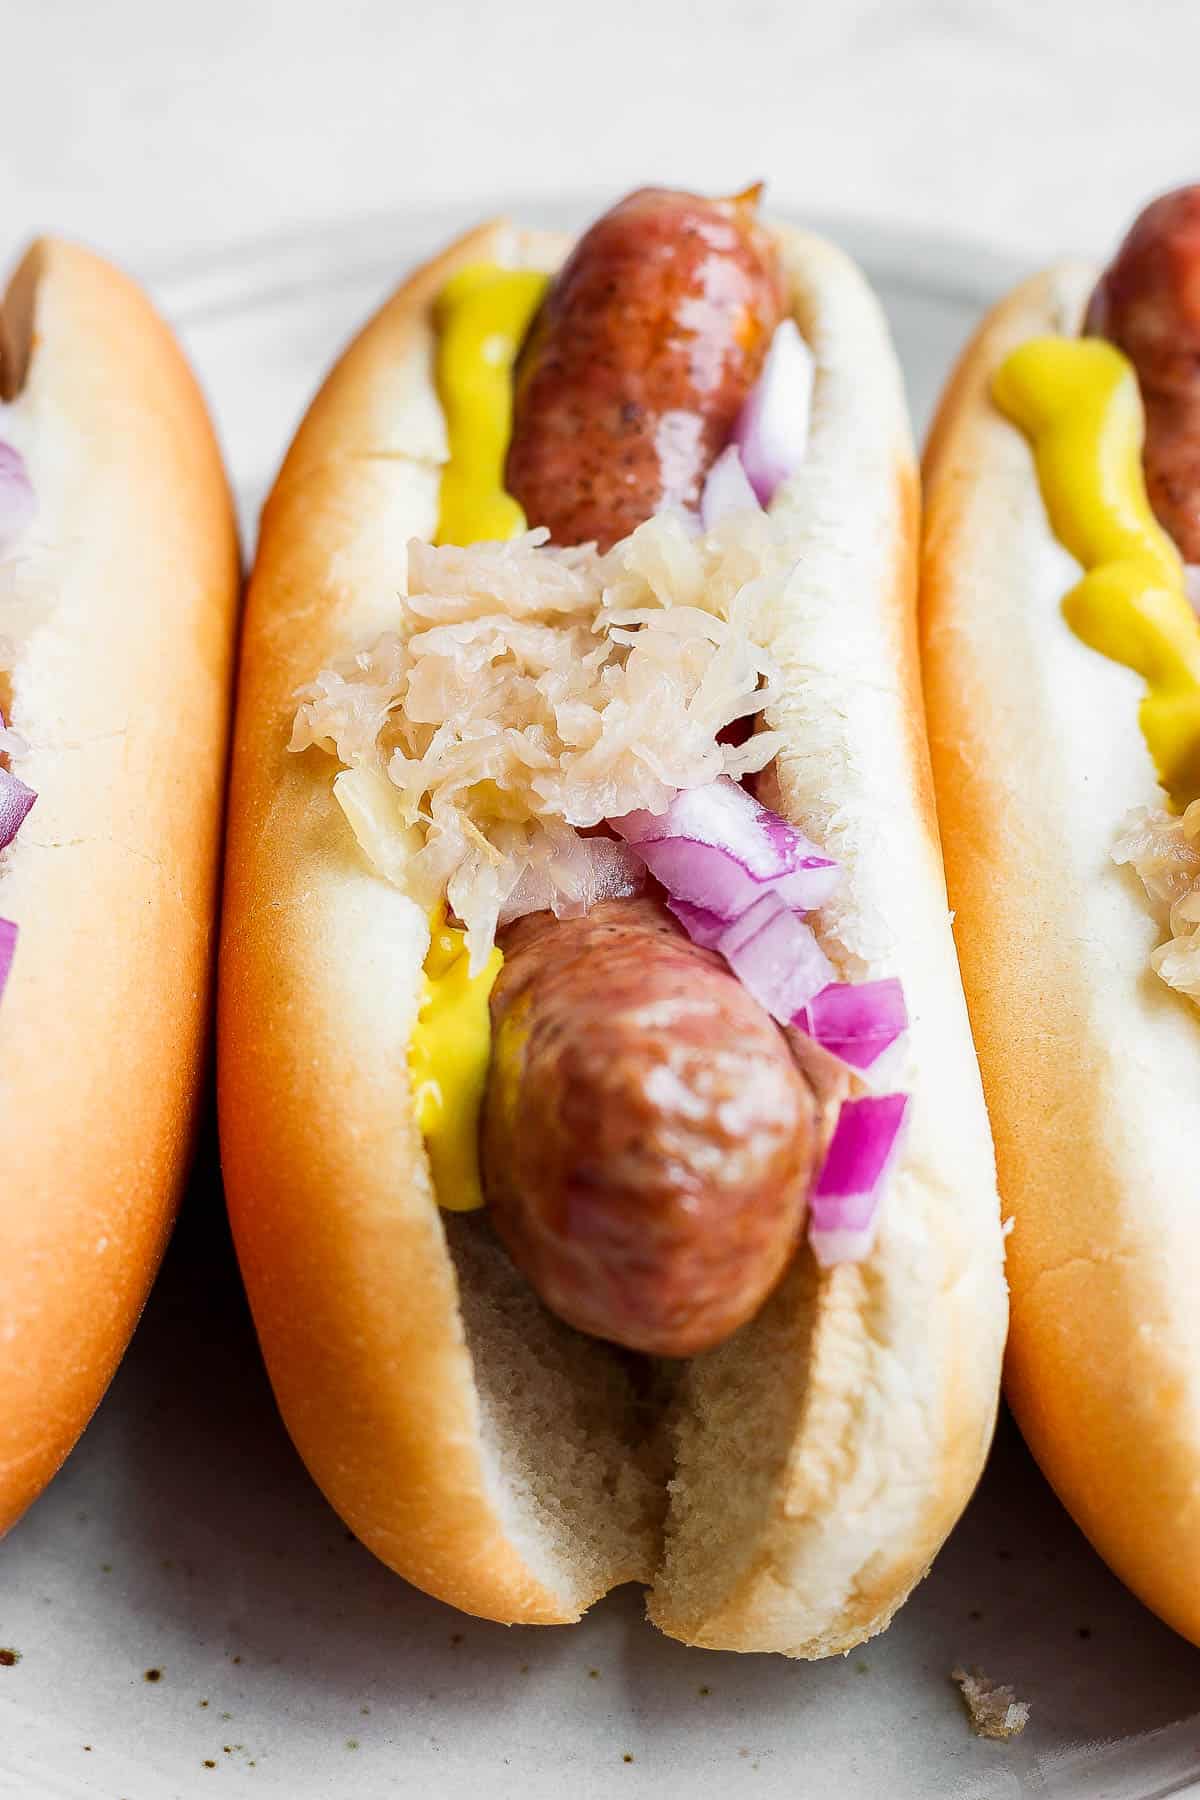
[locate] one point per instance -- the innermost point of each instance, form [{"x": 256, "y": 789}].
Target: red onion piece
[
  {"x": 15, "y": 801},
  {"x": 718, "y": 850},
  {"x": 857, "y": 1021},
  {"x": 8, "y": 945},
  {"x": 711, "y": 878},
  {"x": 772, "y": 952},
  {"x": 810, "y": 885},
  {"x": 844, "y": 1214},
  {"x": 772, "y": 428},
  {"x": 703, "y": 927},
  {"x": 727, "y": 489},
  {"x": 723, "y": 816},
  {"x": 737, "y": 875},
  {"x": 775, "y": 957},
  {"x": 17, "y": 504}
]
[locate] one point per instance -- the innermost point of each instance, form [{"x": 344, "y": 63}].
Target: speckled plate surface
[{"x": 188, "y": 1618}]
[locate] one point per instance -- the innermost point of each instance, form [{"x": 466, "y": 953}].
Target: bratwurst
[
  {"x": 638, "y": 362},
  {"x": 1148, "y": 304},
  {"x": 648, "y": 1141}
]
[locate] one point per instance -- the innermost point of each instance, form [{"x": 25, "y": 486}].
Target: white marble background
[{"x": 158, "y": 130}]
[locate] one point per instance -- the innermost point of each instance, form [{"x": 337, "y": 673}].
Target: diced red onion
[
  {"x": 703, "y": 927},
  {"x": 775, "y": 957},
  {"x": 737, "y": 875},
  {"x": 844, "y": 1213},
  {"x": 810, "y": 885},
  {"x": 712, "y": 878},
  {"x": 15, "y": 801},
  {"x": 772, "y": 428},
  {"x": 757, "y": 850},
  {"x": 727, "y": 489},
  {"x": 857, "y": 1021},
  {"x": 17, "y": 504},
  {"x": 8, "y": 945}
]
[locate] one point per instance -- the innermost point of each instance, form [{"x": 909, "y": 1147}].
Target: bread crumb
[{"x": 994, "y": 1710}]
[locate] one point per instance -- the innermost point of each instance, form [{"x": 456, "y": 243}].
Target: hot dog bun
[
  {"x": 1090, "y": 1063},
  {"x": 118, "y": 616},
  {"x": 486, "y": 1452}
]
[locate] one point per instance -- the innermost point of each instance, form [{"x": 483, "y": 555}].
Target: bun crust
[
  {"x": 118, "y": 617},
  {"x": 499, "y": 1460},
  {"x": 1090, "y": 1063}
]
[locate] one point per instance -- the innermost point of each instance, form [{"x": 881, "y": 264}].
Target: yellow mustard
[
  {"x": 448, "y": 1063},
  {"x": 1077, "y": 401},
  {"x": 482, "y": 315}
]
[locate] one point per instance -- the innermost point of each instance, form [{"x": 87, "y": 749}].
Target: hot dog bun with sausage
[
  {"x": 118, "y": 589},
  {"x": 1063, "y": 723},
  {"x": 777, "y": 1447}
]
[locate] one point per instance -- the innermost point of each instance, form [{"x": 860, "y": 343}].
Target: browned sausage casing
[
  {"x": 638, "y": 361},
  {"x": 1148, "y": 304},
  {"x": 647, "y": 1138}
]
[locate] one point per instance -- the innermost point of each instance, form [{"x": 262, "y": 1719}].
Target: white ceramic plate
[{"x": 192, "y": 1620}]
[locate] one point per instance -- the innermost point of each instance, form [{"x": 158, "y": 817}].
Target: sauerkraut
[
  {"x": 527, "y": 694},
  {"x": 1164, "y": 850}
]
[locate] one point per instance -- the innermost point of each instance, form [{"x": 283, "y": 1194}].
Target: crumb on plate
[{"x": 994, "y": 1710}]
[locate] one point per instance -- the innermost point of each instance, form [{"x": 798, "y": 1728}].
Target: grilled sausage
[
  {"x": 1148, "y": 304},
  {"x": 647, "y": 1138},
  {"x": 638, "y": 362}
]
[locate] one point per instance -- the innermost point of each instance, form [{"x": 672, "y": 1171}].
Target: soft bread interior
[
  {"x": 1089, "y": 1061},
  {"x": 567, "y": 1429},
  {"x": 477, "y": 1446},
  {"x": 117, "y": 611}
]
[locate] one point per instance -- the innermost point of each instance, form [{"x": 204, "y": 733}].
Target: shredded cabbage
[{"x": 527, "y": 694}]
